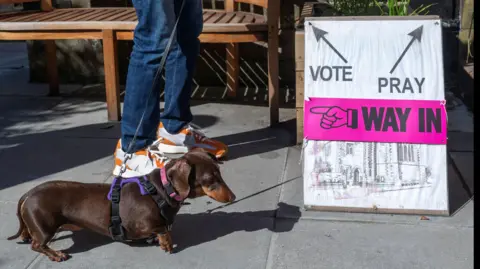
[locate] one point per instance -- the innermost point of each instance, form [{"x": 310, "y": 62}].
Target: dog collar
[{"x": 169, "y": 188}]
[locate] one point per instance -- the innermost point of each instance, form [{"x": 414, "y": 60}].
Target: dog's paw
[
  {"x": 58, "y": 256},
  {"x": 165, "y": 242},
  {"x": 168, "y": 249}
]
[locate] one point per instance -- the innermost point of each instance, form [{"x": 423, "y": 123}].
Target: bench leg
[
  {"x": 233, "y": 69},
  {"x": 52, "y": 69},
  {"x": 273, "y": 73},
  {"x": 112, "y": 85}
]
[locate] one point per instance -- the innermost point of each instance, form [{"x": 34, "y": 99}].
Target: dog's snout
[{"x": 232, "y": 197}]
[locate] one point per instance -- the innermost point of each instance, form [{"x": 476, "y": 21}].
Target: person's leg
[
  {"x": 155, "y": 24},
  {"x": 180, "y": 66},
  {"x": 156, "y": 20},
  {"x": 174, "y": 132}
]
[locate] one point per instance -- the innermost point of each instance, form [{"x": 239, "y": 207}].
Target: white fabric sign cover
[{"x": 391, "y": 59}]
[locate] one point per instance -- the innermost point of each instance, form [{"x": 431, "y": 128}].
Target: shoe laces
[
  {"x": 153, "y": 150},
  {"x": 197, "y": 134}
]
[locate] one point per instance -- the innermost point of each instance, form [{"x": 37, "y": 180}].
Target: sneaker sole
[
  {"x": 169, "y": 149},
  {"x": 127, "y": 173},
  {"x": 172, "y": 149}
]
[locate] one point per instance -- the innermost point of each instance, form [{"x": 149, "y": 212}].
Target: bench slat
[
  {"x": 101, "y": 16},
  {"x": 249, "y": 18},
  {"x": 215, "y": 21},
  {"x": 216, "y": 17},
  {"x": 42, "y": 15},
  {"x": 71, "y": 17},
  {"x": 64, "y": 16},
  {"x": 260, "y": 19},
  {"x": 22, "y": 16},
  {"x": 46, "y": 16},
  {"x": 130, "y": 17},
  {"x": 50, "y": 15},
  {"x": 227, "y": 18},
  {"x": 88, "y": 15},
  {"x": 6, "y": 15},
  {"x": 25, "y": 17},
  {"x": 207, "y": 15},
  {"x": 238, "y": 18},
  {"x": 118, "y": 15}
]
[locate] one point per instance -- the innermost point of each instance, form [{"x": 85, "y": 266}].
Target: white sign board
[{"x": 394, "y": 61}]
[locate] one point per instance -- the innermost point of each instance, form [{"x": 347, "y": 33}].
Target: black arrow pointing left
[{"x": 320, "y": 34}]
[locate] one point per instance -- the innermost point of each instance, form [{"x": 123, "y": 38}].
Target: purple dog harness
[
  {"x": 141, "y": 182},
  {"x": 146, "y": 188},
  {"x": 125, "y": 181}
]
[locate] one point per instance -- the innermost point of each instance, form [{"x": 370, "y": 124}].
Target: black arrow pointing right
[{"x": 416, "y": 35}]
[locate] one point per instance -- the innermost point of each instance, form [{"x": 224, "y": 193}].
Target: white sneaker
[
  {"x": 139, "y": 163},
  {"x": 188, "y": 139}
]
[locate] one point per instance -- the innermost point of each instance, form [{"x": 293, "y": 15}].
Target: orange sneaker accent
[
  {"x": 139, "y": 163},
  {"x": 188, "y": 139},
  {"x": 140, "y": 152},
  {"x": 168, "y": 142}
]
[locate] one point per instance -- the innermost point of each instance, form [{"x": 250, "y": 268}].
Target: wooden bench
[{"x": 228, "y": 26}]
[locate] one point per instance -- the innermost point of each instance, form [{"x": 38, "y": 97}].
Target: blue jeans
[{"x": 156, "y": 19}]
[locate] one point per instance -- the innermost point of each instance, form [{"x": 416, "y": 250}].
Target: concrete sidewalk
[{"x": 68, "y": 137}]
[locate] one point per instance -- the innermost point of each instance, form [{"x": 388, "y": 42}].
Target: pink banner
[{"x": 375, "y": 120}]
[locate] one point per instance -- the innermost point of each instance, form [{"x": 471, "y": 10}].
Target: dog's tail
[{"x": 19, "y": 216}]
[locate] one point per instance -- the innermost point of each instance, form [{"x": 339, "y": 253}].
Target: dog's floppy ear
[{"x": 178, "y": 175}]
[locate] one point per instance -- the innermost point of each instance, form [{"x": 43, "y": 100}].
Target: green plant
[
  {"x": 400, "y": 8},
  {"x": 351, "y": 7}
]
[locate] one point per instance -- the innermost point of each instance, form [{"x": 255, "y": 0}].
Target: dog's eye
[{"x": 212, "y": 187}]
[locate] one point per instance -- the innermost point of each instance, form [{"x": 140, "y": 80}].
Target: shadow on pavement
[
  {"x": 44, "y": 154},
  {"x": 258, "y": 141},
  {"x": 191, "y": 230},
  {"x": 196, "y": 229},
  {"x": 460, "y": 187}
]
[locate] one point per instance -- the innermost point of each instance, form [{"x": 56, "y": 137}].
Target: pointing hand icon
[{"x": 335, "y": 117}]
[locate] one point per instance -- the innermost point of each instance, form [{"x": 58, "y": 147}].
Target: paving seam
[
  {"x": 274, "y": 235},
  {"x": 37, "y": 257},
  {"x": 381, "y": 222}
]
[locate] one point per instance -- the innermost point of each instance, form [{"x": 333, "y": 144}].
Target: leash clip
[{"x": 123, "y": 168}]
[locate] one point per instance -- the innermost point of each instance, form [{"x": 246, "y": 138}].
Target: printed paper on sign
[
  {"x": 374, "y": 120},
  {"x": 384, "y": 175}
]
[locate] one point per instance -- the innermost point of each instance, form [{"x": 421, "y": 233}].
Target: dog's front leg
[{"x": 165, "y": 241}]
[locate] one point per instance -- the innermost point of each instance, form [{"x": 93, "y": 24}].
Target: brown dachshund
[{"x": 74, "y": 205}]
